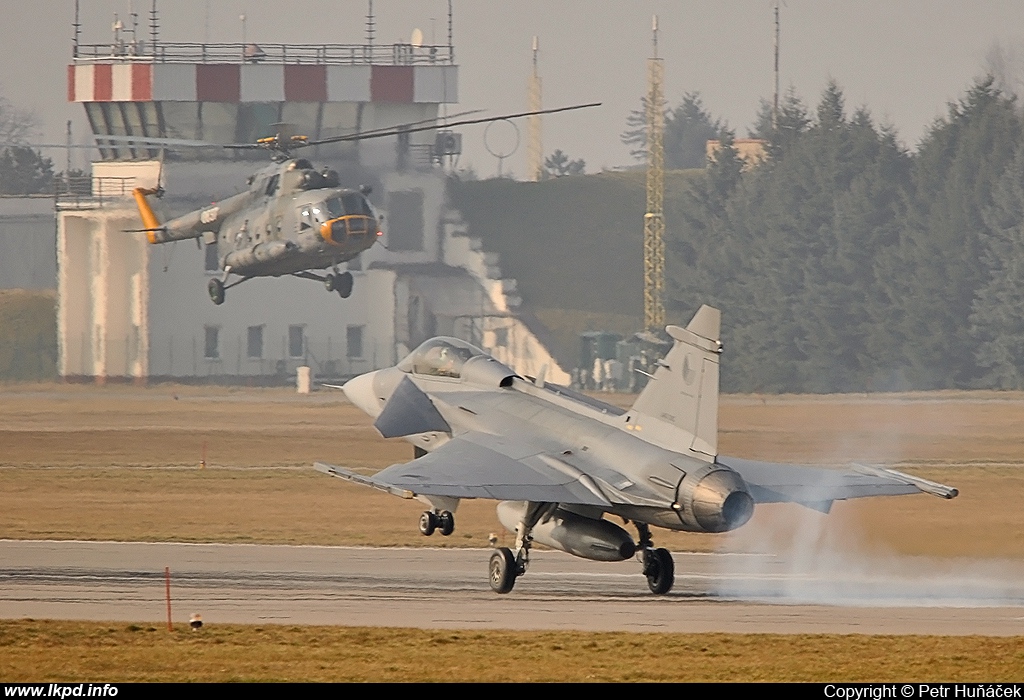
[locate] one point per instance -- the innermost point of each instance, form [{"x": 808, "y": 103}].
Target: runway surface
[{"x": 447, "y": 588}]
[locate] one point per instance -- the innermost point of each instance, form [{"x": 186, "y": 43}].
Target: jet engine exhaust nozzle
[{"x": 721, "y": 501}]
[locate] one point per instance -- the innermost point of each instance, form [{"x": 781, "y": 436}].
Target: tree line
[{"x": 846, "y": 262}]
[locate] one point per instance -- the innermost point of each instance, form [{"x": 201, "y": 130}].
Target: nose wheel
[
  {"x": 340, "y": 283},
  {"x": 216, "y": 290}
]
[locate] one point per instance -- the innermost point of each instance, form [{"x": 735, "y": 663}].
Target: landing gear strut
[
  {"x": 443, "y": 522},
  {"x": 506, "y": 566},
  {"x": 659, "y": 568}
]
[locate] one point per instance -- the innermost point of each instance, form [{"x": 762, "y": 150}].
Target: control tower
[{"x": 237, "y": 93}]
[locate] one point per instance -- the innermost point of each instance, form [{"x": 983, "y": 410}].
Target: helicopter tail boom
[{"x": 149, "y": 219}]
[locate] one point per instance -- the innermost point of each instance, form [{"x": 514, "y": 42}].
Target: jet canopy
[{"x": 440, "y": 357}]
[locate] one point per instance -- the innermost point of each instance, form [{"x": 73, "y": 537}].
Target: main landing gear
[
  {"x": 507, "y": 565},
  {"x": 659, "y": 568},
  {"x": 340, "y": 282},
  {"x": 217, "y": 287},
  {"x": 443, "y": 522}
]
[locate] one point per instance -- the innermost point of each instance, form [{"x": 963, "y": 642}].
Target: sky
[{"x": 903, "y": 59}]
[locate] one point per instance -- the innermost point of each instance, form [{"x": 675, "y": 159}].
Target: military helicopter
[{"x": 292, "y": 220}]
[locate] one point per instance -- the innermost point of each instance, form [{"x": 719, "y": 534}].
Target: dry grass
[
  {"x": 122, "y": 463},
  {"x": 113, "y": 652}
]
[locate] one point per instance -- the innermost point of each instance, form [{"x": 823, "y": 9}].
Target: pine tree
[{"x": 932, "y": 273}]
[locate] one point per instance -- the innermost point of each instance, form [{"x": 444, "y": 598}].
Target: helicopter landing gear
[
  {"x": 659, "y": 568},
  {"x": 443, "y": 522},
  {"x": 216, "y": 289},
  {"x": 342, "y": 284}
]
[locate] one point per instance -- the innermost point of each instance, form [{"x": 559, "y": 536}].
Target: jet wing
[
  {"x": 817, "y": 487},
  {"x": 478, "y": 465}
]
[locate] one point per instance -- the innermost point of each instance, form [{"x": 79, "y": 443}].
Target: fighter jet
[{"x": 561, "y": 462}]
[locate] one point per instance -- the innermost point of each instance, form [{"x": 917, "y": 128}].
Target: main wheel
[
  {"x": 343, "y": 284},
  {"x": 446, "y": 522},
  {"x": 503, "y": 570},
  {"x": 330, "y": 282},
  {"x": 660, "y": 571},
  {"x": 216, "y": 289},
  {"x": 428, "y": 523}
]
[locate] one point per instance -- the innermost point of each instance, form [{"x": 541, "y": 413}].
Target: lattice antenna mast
[
  {"x": 370, "y": 25},
  {"x": 775, "y": 100},
  {"x": 535, "y": 150},
  {"x": 654, "y": 222}
]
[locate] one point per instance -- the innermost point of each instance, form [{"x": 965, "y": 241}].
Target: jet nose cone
[{"x": 360, "y": 392}]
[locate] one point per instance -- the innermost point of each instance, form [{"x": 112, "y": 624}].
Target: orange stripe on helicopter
[{"x": 149, "y": 219}]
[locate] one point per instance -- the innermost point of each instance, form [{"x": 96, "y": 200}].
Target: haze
[{"x": 904, "y": 60}]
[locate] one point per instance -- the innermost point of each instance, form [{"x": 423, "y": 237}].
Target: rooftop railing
[{"x": 309, "y": 54}]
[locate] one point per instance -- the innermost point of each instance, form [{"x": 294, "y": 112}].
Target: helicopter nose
[{"x": 359, "y": 391}]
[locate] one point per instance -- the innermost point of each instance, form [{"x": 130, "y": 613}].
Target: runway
[{"x": 447, "y": 588}]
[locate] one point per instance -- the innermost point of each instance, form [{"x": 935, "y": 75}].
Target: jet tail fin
[{"x": 683, "y": 391}]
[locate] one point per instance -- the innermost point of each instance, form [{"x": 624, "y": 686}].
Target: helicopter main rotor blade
[
  {"x": 372, "y": 133},
  {"x": 405, "y": 130}
]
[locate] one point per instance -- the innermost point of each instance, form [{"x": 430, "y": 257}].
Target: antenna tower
[
  {"x": 370, "y": 22},
  {"x": 535, "y": 150},
  {"x": 775, "y": 100},
  {"x": 654, "y": 222}
]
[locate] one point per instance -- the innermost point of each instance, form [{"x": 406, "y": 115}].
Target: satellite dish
[{"x": 417, "y": 38}]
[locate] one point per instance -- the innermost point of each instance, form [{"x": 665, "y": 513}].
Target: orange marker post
[{"x": 167, "y": 581}]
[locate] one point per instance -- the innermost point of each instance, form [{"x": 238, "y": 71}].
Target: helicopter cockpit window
[
  {"x": 439, "y": 357},
  {"x": 348, "y": 204}
]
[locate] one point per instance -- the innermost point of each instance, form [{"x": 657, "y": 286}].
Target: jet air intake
[
  {"x": 715, "y": 499},
  {"x": 589, "y": 538}
]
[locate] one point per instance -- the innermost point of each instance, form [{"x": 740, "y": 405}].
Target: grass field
[{"x": 105, "y": 652}]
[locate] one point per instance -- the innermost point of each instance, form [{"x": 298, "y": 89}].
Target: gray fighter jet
[{"x": 559, "y": 461}]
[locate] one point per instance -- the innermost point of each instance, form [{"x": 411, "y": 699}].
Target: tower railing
[{"x": 309, "y": 54}]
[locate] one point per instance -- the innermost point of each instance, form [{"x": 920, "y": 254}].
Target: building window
[
  {"x": 405, "y": 220},
  {"x": 354, "y": 339},
  {"x": 211, "y": 343},
  {"x": 254, "y": 343},
  {"x": 296, "y": 341},
  {"x": 501, "y": 337},
  {"x": 212, "y": 263}
]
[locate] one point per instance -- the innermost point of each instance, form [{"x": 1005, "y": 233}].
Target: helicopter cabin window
[
  {"x": 296, "y": 341},
  {"x": 211, "y": 344},
  {"x": 254, "y": 343},
  {"x": 354, "y": 340},
  {"x": 212, "y": 263},
  {"x": 306, "y": 218},
  {"x": 439, "y": 357},
  {"x": 272, "y": 185}
]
